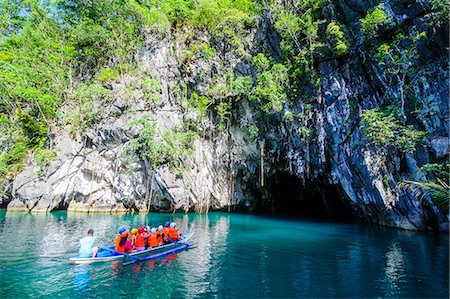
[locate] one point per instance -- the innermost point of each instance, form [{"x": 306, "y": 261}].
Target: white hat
[
  {"x": 173, "y": 224},
  {"x": 153, "y": 230},
  {"x": 160, "y": 228}
]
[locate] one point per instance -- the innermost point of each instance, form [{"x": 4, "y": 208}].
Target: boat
[{"x": 107, "y": 254}]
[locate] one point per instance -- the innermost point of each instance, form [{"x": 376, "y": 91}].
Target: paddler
[{"x": 86, "y": 245}]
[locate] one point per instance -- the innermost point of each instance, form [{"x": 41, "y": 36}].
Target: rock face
[{"x": 91, "y": 174}]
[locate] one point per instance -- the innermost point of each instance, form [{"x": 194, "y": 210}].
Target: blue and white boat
[{"x": 107, "y": 254}]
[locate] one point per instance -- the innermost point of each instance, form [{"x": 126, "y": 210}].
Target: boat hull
[{"x": 149, "y": 251}]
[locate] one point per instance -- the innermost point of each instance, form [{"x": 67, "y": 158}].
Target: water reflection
[
  {"x": 81, "y": 278},
  {"x": 235, "y": 256},
  {"x": 203, "y": 267},
  {"x": 394, "y": 269}
]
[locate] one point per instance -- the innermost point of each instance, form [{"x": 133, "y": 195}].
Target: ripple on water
[{"x": 236, "y": 256}]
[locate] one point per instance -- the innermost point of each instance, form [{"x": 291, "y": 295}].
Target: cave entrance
[{"x": 311, "y": 199}]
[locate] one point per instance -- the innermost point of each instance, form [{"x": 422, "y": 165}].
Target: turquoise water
[{"x": 236, "y": 256}]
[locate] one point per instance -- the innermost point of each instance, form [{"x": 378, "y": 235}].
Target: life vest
[
  {"x": 173, "y": 233},
  {"x": 159, "y": 237},
  {"x": 153, "y": 240},
  {"x": 117, "y": 246},
  {"x": 140, "y": 240},
  {"x": 166, "y": 233}
]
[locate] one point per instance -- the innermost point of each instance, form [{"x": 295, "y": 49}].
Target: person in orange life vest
[
  {"x": 153, "y": 238},
  {"x": 122, "y": 243},
  {"x": 166, "y": 232},
  {"x": 119, "y": 236},
  {"x": 160, "y": 235},
  {"x": 173, "y": 232},
  {"x": 132, "y": 237},
  {"x": 139, "y": 244}
]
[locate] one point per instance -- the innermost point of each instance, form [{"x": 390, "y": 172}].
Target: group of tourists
[{"x": 139, "y": 239}]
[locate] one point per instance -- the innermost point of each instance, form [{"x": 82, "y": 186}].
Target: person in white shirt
[{"x": 86, "y": 245}]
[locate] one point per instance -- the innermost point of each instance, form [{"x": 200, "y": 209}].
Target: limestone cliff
[{"x": 234, "y": 167}]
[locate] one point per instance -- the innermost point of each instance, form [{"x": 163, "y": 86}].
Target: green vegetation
[
  {"x": 436, "y": 187},
  {"x": 152, "y": 90},
  {"x": 373, "y": 21},
  {"x": 340, "y": 43},
  {"x": 399, "y": 61},
  {"x": 86, "y": 111},
  {"x": 302, "y": 42},
  {"x": 158, "y": 149},
  {"x": 108, "y": 75},
  {"x": 270, "y": 87},
  {"x": 440, "y": 12},
  {"x": 226, "y": 94},
  {"x": 382, "y": 130}
]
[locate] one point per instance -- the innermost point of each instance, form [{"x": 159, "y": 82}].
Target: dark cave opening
[{"x": 314, "y": 199}]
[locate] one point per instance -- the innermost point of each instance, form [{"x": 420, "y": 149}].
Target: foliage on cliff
[{"x": 59, "y": 60}]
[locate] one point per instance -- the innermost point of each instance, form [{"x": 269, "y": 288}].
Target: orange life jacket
[
  {"x": 140, "y": 241},
  {"x": 117, "y": 246},
  {"x": 159, "y": 237},
  {"x": 173, "y": 233},
  {"x": 153, "y": 240},
  {"x": 166, "y": 233}
]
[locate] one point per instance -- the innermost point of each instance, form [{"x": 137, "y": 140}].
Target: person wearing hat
[
  {"x": 86, "y": 245},
  {"x": 132, "y": 236},
  {"x": 122, "y": 243},
  {"x": 139, "y": 244}
]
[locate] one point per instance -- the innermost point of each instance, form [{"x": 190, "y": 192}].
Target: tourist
[
  {"x": 146, "y": 235},
  {"x": 173, "y": 232},
  {"x": 160, "y": 235},
  {"x": 119, "y": 235},
  {"x": 153, "y": 238},
  {"x": 166, "y": 232},
  {"x": 139, "y": 244},
  {"x": 132, "y": 237},
  {"x": 86, "y": 245},
  {"x": 122, "y": 244}
]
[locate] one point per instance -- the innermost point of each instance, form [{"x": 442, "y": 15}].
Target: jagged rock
[
  {"x": 93, "y": 174},
  {"x": 441, "y": 146}
]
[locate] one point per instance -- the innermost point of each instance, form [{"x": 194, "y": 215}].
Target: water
[{"x": 236, "y": 256}]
